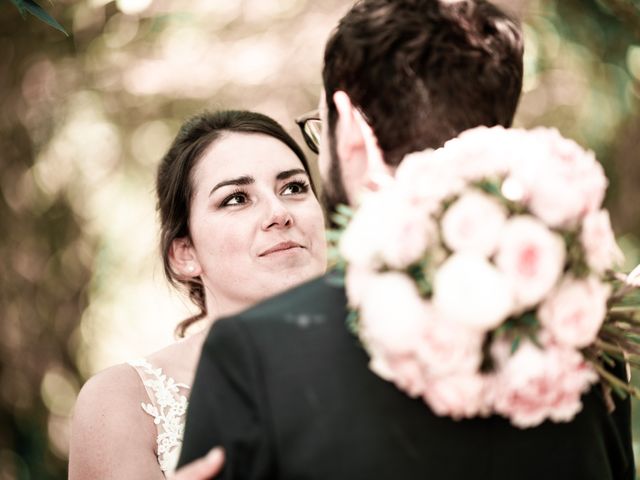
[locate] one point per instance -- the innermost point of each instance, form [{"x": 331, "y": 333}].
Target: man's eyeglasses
[{"x": 311, "y": 128}]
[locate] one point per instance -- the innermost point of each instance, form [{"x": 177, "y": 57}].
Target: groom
[{"x": 285, "y": 388}]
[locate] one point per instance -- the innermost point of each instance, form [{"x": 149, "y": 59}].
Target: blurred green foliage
[{"x": 85, "y": 118}]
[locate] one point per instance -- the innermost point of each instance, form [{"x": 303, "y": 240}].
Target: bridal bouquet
[{"x": 481, "y": 279}]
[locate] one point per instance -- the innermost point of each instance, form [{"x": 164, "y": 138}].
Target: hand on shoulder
[{"x": 203, "y": 468}]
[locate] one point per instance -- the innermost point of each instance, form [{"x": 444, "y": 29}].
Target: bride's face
[{"x": 256, "y": 226}]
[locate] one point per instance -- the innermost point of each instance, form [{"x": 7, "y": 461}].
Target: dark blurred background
[{"x": 84, "y": 120}]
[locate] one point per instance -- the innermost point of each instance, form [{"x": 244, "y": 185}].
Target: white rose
[
  {"x": 472, "y": 224},
  {"x": 393, "y": 317},
  {"x": 484, "y": 153},
  {"x": 357, "y": 281},
  {"x": 574, "y": 311},
  {"x": 408, "y": 232},
  {"x": 360, "y": 244},
  {"x": 599, "y": 242},
  {"x": 532, "y": 258},
  {"x": 470, "y": 291}
]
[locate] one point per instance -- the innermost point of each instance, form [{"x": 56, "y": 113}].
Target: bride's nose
[{"x": 277, "y": 215}]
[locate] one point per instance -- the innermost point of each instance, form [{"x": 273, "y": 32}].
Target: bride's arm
[{"x": 111, "y": 436}]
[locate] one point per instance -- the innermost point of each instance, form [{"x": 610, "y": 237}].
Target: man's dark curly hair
[{"x": 423, "y": 71}]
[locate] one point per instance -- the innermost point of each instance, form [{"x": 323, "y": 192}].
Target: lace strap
[{"x": 167, "y": 407}]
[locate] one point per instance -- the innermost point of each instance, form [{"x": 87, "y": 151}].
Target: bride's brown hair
[{"x": 174, "y": 183}]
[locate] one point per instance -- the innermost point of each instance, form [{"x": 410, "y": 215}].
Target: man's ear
[
  {"x": 358, "y": 144},
  {"x": 183, "y": 259},
  {"x": 350, "y": 142}
]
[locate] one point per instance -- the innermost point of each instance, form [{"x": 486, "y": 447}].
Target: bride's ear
[
  {"x": 358, "y": 145},
  {"x": 183, "y": 259}
]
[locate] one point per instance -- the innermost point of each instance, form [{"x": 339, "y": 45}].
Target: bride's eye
[
  {"x": 236, "y": 198},
  {"x": 295, "y": 188}
]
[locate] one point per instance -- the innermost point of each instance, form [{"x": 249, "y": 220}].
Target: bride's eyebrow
[
  {"x": 290, "y": 173},
  {"x": 244, "y": 180}
]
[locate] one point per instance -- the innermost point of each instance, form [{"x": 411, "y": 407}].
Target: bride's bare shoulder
[
  {"x": 116, "y": 387},
  {"x": 109, "y": 425}
]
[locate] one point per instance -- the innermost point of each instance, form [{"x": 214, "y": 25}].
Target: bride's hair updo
[{"x": 174, "y": 183}]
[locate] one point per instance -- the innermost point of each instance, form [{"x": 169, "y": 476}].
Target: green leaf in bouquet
[
  {"x": 507, "y": 325},
  {"x": 535, "y": 340},
  {"x": 344, "y": 210},
  {"x": 487, "y": 365},
  {"x": 419, "y": 271},
  {"x": 515, "y": 344},
  {"x": 576, "y": 256},
  {"x": 491, "y": 186},
  {"x": 342, "y": 216},
  {"x": 37, "y": 11},
  {"x": 352, "y": 321},
  {"x": 19, "y": 5},
  {"x": 529, "y": 319},
  {"x": 335, "y": 260},
  {"x": 526, "y": 324},
  {"x": 340, "y": 220},
  {"x": 333, "y": 235},
  {"x": 424, "y": 288}
]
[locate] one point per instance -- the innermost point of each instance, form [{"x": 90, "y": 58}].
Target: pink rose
[
  {"x": 408, "y": 230},
  {"x": 393, "y": 317},
  {"x": 449, "y": 348},
  {"x": 429, "y": 177},
  {"x": 534, "y": 384},
  {"x": 573, "y": 313},
  {"x": 458, "y": 396},
  {"x": 563, "y": 182},
  {"x": 599, "y": 242},
  {"x": 403, "y": 370},
  {"x": 472, "y": 224},
  {"x": 531, "y": 257},
  {"x": 470, "y": 291}
]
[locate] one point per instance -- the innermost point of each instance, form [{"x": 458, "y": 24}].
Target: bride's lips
[{"x": 280, "y": 247}]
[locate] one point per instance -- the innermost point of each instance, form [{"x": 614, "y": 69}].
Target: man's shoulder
[
  {"x": 322, "y": 296},
  {"x": 320, "y": 301}
]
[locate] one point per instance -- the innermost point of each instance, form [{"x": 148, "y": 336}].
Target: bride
[{"x": 240, "y": 222}]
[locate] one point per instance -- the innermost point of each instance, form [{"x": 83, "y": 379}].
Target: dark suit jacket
[{"x": 286, "y": 390}]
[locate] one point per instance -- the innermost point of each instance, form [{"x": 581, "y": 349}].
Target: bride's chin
[{"x": 294, "y": 277}]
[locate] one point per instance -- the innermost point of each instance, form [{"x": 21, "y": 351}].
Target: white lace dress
[{"x": 168, "y": 408}]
